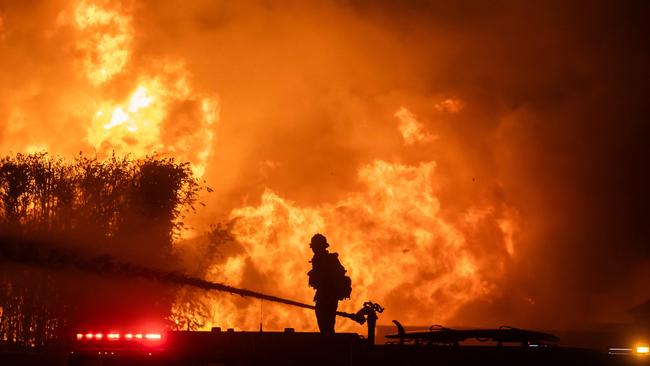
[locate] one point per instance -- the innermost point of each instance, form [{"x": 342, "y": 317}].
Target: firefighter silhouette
[{"x": 328, "y": 277}]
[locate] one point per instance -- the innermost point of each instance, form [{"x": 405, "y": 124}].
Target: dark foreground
[{"x": 289, "y": 348}]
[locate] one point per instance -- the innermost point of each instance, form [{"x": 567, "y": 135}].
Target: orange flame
[
  {"x": 162, "y": 114},
  {"x": 105, "y": 37},
  {"x": 391, "y": 237},
  {"x": 411, "y": 129}
]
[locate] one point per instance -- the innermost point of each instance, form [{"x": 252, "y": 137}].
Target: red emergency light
[
  {"x": 115, "y": 336},
  {"x": 112, "y": 343}
]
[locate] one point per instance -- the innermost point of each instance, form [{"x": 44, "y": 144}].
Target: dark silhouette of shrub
[{"x": 129, "y": 209}]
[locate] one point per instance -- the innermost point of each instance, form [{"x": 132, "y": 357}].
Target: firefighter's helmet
[{"x": 319, "y": 241}]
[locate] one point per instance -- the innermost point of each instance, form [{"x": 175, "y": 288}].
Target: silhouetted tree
[{"x": 126, "y": 208}]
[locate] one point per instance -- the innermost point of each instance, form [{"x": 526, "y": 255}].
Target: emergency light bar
[
  {"x": 114, "y": 336},
  {"x": 110, "y": 343}
]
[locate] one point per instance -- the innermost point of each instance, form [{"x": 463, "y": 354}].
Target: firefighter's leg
[{"x": 326, "y": 315}]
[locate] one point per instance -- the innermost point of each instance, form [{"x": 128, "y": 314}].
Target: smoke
[{"x": 534, "y": 112}]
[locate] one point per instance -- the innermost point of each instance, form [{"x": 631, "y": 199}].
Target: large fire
[
  {"x": 465, "y": 173},
  {"x": 398, "y": 248},
  {"x": 392, "y": 236}
]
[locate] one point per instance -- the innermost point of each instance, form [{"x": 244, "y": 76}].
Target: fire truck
[{"x": 434, "y": 346}]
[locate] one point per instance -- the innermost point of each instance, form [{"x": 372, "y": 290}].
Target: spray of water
[{"x": 32, "y": 253}]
